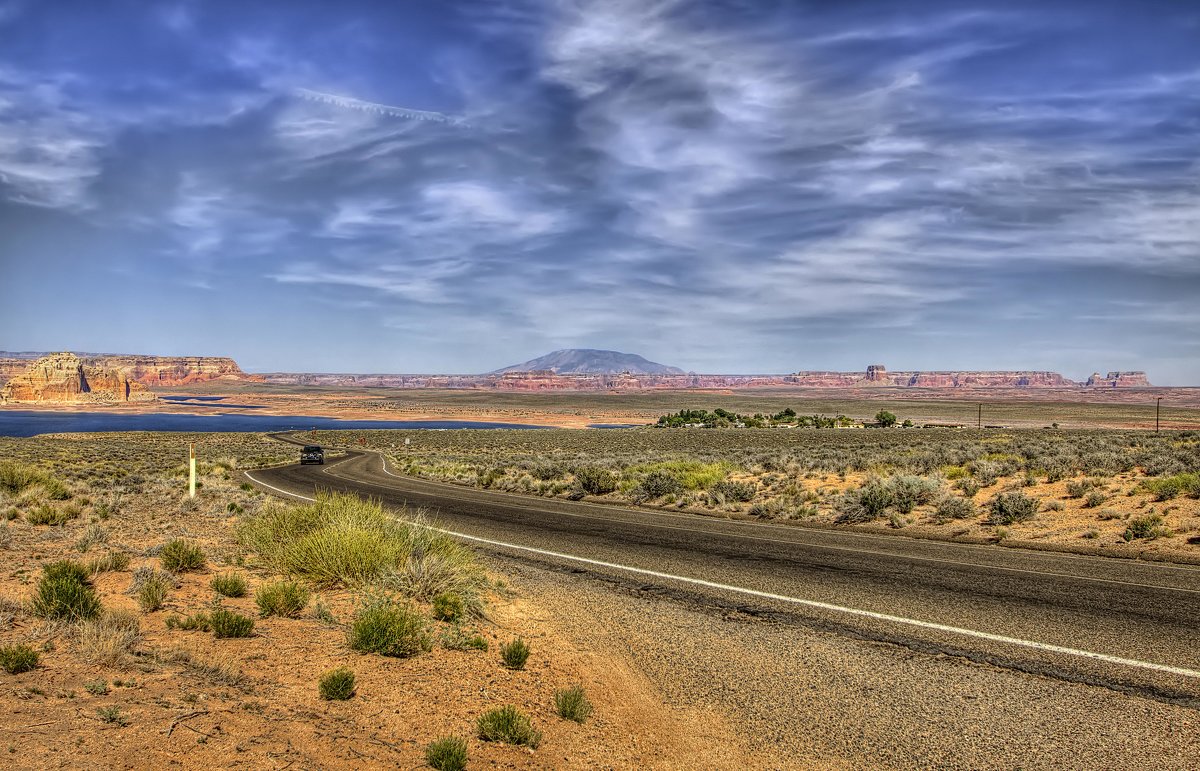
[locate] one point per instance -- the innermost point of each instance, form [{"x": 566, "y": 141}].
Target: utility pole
[
  {"x": 1157, "y": 410},
  {"x": 191, "y": 469}
]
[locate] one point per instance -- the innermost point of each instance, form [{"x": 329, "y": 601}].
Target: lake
[{"x": 30, "y": 423}]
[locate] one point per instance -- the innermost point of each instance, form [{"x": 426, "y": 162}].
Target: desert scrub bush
[
  {"x": 734, "y": 492},
  {"x": 112, "y": 715},
  {"x": 229, "y": 585},
  {"x": 111, "y": 562},
  {"x": 448, "y": 606},
  {"x": 389, "y": 628},
  {"x": 179, "y": 556},
  {"x": 1166, "y": 488},
  {"x": 97, "y": 687},
  {"x": 336, "y": 684},
  {"x": 865, "y": 504},
  {"x": 45, "y": 514},
  {"x": 1010, "y": 507},
  {"x": 226, "y": 623},
  {"x": 447, "y": 753},
  {"x": 15, "y": 659},
  {"x": 152, "y": 588},
  {"x": 108, "y": 639},
  {"x": 64, "y": 591},
  {"x": 968, "y": 487},
  {"x": 282, "y": 598},
  {"x": 572, "y": 704},
  {"x": 457, "y": 639},
  {"x": 659, "y": 483},
  {"x": 595, "y": 480},
  {"x": 1149, "y": 526},
  {"x": 93, "y": 535},
  {"x": 1094, "y": 499},
  {"x": 1077, "y": 488},
  {"x": 954, "y": 507},
  {"x": 1053, "y": 506},
  {"x": 508, "y": 724},
  {"x": 16, "y": 478},
  {"x": 514, "y": 654},
  {"x": 908, "y": 491},
  {"x": 985, "y": 472}
]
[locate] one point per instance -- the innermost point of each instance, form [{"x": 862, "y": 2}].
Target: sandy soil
[{"x": 188, "y": 700}]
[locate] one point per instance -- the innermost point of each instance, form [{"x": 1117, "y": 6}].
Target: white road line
[
  {"x": 531, "y": 506},
  {"x": 1180, "y": 671}
]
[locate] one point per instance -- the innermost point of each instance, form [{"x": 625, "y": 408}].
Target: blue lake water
[
  {"x": 209, "y": 401},
  {"x": 29, "y": 423}
]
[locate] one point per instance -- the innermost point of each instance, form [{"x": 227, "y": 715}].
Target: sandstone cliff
[
  {"x": 65, "y": 378},
  {"x": 147, "y": 370},
  {"x": 1119, "y": 380}
]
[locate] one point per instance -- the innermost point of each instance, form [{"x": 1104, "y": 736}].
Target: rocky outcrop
[
  {"x": 64, "y": 378},
  {"x": 173, "y": 370},
  {"x": 166, "y": 371},
  {"x": 1134, "y": 379}
]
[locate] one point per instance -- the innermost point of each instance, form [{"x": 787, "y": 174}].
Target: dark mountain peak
[{"x": 591, "y": 361}]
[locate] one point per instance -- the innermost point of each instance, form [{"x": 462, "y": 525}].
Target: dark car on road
[{"x": 312, "y": 454}]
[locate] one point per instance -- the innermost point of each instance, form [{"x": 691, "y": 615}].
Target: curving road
[{"x": 1125, "y": 625}]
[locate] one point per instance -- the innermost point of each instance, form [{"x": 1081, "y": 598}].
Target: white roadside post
[{"x": 192, "y": 470}]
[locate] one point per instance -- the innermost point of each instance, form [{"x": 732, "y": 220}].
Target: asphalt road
[{"x": 1120, "y": 624}]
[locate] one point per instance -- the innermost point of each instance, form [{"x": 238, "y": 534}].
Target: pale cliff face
[{"x": 65, "y": 378}]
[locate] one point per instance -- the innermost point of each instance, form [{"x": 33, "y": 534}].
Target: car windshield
[{"x": 311, "y": 448}]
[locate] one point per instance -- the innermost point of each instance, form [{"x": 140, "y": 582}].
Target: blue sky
[{"x": 734, "y": 186}]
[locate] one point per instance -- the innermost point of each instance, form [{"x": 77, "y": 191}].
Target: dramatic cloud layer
[{"x": 722, "y": 186}]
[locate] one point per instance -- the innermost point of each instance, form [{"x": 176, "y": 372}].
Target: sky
[{"x": 743, "y": 186}]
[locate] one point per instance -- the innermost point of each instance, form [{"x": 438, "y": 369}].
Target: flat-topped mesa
[
  {"x": 65, "y": 378},
  {"x": 877, "y": 373},
  {"x": 173, "y": 370},
  {"x": 1132, "y": 379}
]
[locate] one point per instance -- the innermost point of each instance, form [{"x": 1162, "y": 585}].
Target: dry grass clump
[
  {"x": 226, "y": 623},
  {"x": 343, "y": 540},
  {"x": 515, "y": 654},
  {"x": 337, "y": 684},
  {"x": 286, "y": 599},
  {"x": 447, "y": 753},
  {"x": 113, "y": 561},
  {"x": 108, "y": 639},
  {"x": 572, "y": 704},
  {"x": 508, "y": 724},
  {"x": 179, "y": 556},
  {"x": 65, "y": 592},
  {"x": 220, "y": 669},
  {"x": 15, "y": 659},
  {"x": 389, "y": 628},
  {"x": 152, "y": 587},
  {"x": 229, "y": 585}
]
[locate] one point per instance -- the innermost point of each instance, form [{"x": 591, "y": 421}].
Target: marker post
[{"x": 191, "y": 469}]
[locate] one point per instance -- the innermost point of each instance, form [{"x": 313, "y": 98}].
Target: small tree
[{"x": 885, "y": 418}]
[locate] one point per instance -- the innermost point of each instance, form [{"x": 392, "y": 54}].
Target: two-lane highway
[{"x": 1118, "y": 623}]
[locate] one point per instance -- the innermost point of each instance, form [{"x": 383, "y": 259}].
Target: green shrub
[
  {"x": 282, "y": 598},
  {"x": 1077, "y": 488},
  {"x": 448, "y": 606},
  {"x": 954, "y": 507},
  {"x": 113, "y": 561},
  {"x": 179, "y": 556},
  {"x": 15, "y": 659},
  {"x": 659, "y": 483},
  {"x": 1148, "y": 527},
  {"x": 97, "y": 687},
  {"x": 64, "y": 592},
  {"x": 735, "y": 492},
  {"x": 229, "y": 585},
  {"x": 865, "y": 504},
  {"x": 515, "y": 654},
  {"x": 1166, "y": 488},
  {"x": 152, "y": 590},
  {"x": 572, "y": 704},
  {"x": 1010, "y": 507},
  {"x": 508, "y": 724},
  {"x": 1094, "y": 499},
  {"x": 596, "y": 481},
  {"x": 968, "y": 486},
  {"x": 112, "y": 715},
  {"x": 909, "y": 491},
  {"x": 457, "y": 639},
  {"x": 337, "y": 684},
  {"x": 46, "y": 514},
  {"x": 448, "y": 753},
  {"x": 389, "y": 628},
  {"x": 226, "y": 623}
]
